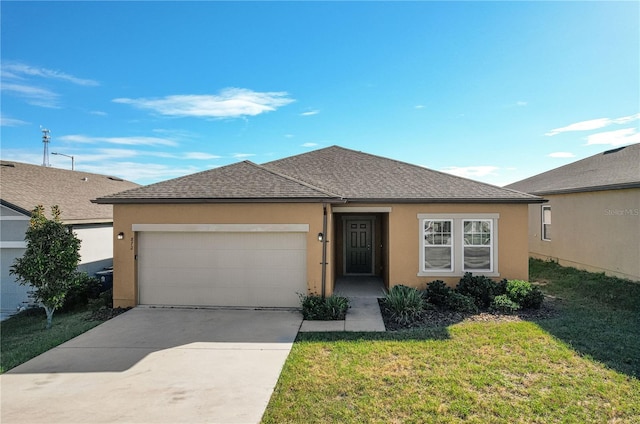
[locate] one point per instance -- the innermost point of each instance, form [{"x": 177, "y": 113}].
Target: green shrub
[
  {"x": 336, "y": 307},
  {"x": 437, "y": 293},
  {"x": 405, "y": 304},
  {"x": 480, "y": 288},
  {"x": 502, "y": 303},
  {"x": 315, "y": 307},
  {"x": 500, "y": 287},
  {"x": 524, "y": 294},
  {"x": 460, "y": 303},
  {"x": 104, "y": 300},
  {"x": 81, "y": 290}
]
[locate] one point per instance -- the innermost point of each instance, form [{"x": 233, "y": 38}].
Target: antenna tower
[{"x": 46, "y": 138}]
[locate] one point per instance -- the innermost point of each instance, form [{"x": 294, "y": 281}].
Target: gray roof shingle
[
  {"x": 613, "y": 169},
  {"x": 329, "y": 174},
  {"x": 243, "y": 180},
  {"x": 24, "y": 186}
]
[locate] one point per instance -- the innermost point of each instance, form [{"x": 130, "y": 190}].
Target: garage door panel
[{"x": 222, "y": 269}]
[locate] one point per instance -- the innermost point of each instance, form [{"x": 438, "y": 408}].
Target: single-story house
[
  {"x": 592, "y": 219},
  {"x": 23, "y": 187},
  {"x": 257, "y": 235}
]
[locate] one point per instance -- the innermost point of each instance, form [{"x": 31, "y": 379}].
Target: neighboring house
[
  {"x": 23, "y": 187},
  {"x": 592, "y": 219},
  {"x": 257, "y": 235}
]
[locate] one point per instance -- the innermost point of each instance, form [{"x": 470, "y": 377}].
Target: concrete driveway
[{"x": 154, "y": 365}]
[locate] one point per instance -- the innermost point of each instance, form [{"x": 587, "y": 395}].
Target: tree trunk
[{"x": 49, "y": 312}]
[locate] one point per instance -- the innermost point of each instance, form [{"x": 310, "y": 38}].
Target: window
[
  {"x": 477, "y": 249},
  {"x": 452, "y": 244},
  {"x": 546, "y": 223},
  {"x": 438, "y": 252}
]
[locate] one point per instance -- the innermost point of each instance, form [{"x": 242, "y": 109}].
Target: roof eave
[
  {"x": 120, "y": 201},
  {"x": 535, "y": 199},
  {"x": 621, "y": 186}
]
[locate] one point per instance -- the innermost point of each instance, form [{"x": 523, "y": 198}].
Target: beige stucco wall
[
  {"x": 124, "y": 275},
  {"x": 595, "y": 231},
  {"x": 404, "y": 241},
  {"x": 401, "y": 232}
]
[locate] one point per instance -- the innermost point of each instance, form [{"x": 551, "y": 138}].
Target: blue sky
[{"x": 147, "y": 91}]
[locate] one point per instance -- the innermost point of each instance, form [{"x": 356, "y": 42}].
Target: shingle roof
[
  {"x": 361, "y": 176},
  {"x": 613, "y": 169},
  {"x": 24, "y": 186},
  {"x": 243, "y": 180},
  {"x": 330, "y": 174}
]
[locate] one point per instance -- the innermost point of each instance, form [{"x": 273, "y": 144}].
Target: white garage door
[{"x": 265, "y": 269}]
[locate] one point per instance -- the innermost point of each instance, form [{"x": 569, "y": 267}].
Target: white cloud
[
  {"x": 200, "y": 156},
  {"x": 471, "y": 171},
  {"x": 142, "y": 173},
  {"x": 419, "y": 106},
  {"x": 594, "y": 124},
  {"x": 615, "y": 138},
  {"x": 5, "y": 121},
  {"x": 310, "y": 113},
  {"x": 309, "y": 144},
  {"x": 561, "y": 155},
  {"x": 289, "y": 135},
  {"x": 128, "y": 141},
  {"x": 229, "y": 103},
  {"x": 98, "y": 113},
  {"x": 242, "y": 155},
  {"x": 19, "y": 70},
  {"x": 521, "y": 103},
  {"x": 33, "y": 95}
]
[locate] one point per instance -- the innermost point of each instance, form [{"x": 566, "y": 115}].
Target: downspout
[{"x": 324, "y": 249}]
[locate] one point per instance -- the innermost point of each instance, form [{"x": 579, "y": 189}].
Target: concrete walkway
[
  {"x": 364, "y": 312},
  {"x": 156, "y": 366}
]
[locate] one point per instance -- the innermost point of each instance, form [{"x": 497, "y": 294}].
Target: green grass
[
  {"x": 580, "y": 366},
  {"x": 24, "y": 336}
]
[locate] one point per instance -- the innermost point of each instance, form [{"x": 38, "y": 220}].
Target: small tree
[{"x": 50, "y": 261}]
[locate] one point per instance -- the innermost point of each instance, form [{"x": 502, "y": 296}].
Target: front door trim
[{"x": 345, "y": 221}]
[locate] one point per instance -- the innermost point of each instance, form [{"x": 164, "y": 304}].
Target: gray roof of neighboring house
[
  {"x": 329, "y": 174},
  {"x": 614, "y": 169},
  {"x": 24, "y": 186}
]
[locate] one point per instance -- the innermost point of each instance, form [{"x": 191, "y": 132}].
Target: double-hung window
[
  {"x": 452, "y": 244},
  {"x": 438, "y": 247},
  {"x": 546, "y": 223}
]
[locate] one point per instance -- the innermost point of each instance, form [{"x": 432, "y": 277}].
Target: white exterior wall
[{"x": 96, "y": 253}]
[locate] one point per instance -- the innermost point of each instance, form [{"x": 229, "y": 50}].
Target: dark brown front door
[{"x": 358, "y": 247}]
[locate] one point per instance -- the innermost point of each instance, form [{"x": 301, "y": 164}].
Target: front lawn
[
  {"x": 580, "y": 365},
  {"x": 24, "y": 336}
]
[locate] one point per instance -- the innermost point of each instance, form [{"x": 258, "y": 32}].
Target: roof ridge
[
  {"x": 295, "y": 180},
  {"x": 435, "y": 170}
]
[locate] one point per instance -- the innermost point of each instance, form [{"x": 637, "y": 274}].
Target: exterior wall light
[
  {"x": 120, "y": 236},
  {"x": 320, "y": 237}
]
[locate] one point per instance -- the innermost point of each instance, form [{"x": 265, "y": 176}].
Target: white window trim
[
  {"x": 458, "y": 245},
  {"x": 491, "y": 255},
  {"x": 450, "y": 245},
  {"x": 542, "y": 222}
]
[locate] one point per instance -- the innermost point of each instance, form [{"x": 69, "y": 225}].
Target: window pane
[
  {"x": 437, "y": 258},
  {"x": 437, "y": 233},
  {"x": 478, "y": 258}
]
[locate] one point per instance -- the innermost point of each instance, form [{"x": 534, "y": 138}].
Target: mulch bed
[
  {"x": 444, "y": 318},
  {"x": 105, "y": 314}
]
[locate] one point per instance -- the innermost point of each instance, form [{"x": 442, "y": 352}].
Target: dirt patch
[
  {"x": 443, "y": 318},
  {"x": 105, "y": 314}
]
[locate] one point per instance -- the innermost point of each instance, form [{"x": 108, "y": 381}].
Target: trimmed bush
[
  {"x": 502, "y": 303},
  {"x": 524, "y": 294},
  {"x": 81, "y": 290},
  {"x": 331, "y": 308},
  {"x": 405, "y": 304},
  {"x": 461, "y": 303},
  {"x": 478, "y": 287},
  {"x": 437, "y": 293}
]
